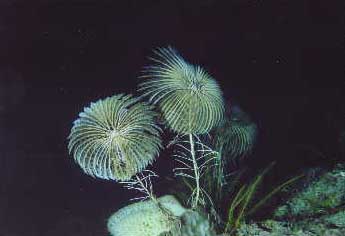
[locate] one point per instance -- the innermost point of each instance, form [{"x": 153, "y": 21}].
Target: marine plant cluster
[{"x": 117, "y": 138}]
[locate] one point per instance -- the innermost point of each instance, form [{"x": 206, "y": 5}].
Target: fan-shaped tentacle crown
[
  {"x": 115, "y": 138},
  {"x": 235, "y": 137},
  {"x": 189, "y": 98}
]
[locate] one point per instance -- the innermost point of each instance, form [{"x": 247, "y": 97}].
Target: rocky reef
[{"x": 318, "y": 210}]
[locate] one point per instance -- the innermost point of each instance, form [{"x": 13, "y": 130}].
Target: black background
[{"x": 281, "y": 61}]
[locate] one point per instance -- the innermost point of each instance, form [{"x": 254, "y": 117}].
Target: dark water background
[{"x": 281, "y": 61}]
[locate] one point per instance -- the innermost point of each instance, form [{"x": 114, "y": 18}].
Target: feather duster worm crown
[
  {"x": 189, "y": 98},
  {"x": 115, "y": 138},
  {"x": 236, "y": 136}
]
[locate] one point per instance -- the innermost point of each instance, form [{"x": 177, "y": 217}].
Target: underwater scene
[{"x": 172, "y": 118}]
